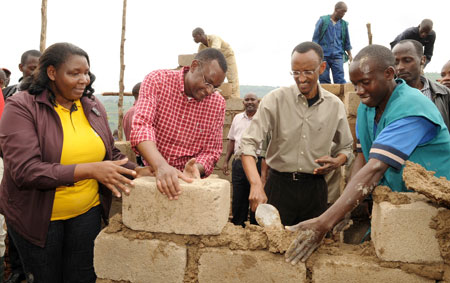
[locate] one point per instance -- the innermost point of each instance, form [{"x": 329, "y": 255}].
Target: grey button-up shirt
[{"x": 299, "y": 134}]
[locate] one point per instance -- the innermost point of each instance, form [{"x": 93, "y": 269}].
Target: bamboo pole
[
  {"x": 122, "y": 70},
  {"x": 43, "y": 26},
  {"x": 369, "y": 33}
]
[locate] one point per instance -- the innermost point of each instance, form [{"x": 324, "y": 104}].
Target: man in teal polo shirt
[{"x": 395, "y": 123}]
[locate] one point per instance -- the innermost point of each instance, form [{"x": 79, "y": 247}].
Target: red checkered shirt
[{"x": 181, "y": 127}]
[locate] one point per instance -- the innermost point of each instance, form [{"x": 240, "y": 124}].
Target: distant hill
[
  {"x": 110, "y": 103},
  {"x": 259, "y": 90},
  {"x": 433, "y": 76}
]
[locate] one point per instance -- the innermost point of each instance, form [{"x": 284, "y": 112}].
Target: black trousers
[
  {"x": 68, "y": 255},
  {"x": 296, "y": 200},
  {"x": 14, "y": 258},
  {"x": 241, "y": 191}
]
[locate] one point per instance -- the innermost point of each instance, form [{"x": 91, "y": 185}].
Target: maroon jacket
[{"x": 31, "y": 139}]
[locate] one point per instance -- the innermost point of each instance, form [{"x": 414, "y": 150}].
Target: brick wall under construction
[{"x": 191, "y": 240}]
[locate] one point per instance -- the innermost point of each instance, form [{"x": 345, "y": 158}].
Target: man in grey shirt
[
  {"x": 409, "y": 60},
  {"x": 302, "y": 120}
]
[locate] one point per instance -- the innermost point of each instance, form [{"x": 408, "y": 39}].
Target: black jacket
[{"x": 440, "y": 95}]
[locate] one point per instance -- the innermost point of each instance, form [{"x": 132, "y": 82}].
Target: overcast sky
[{"x": 262, "y": 33}]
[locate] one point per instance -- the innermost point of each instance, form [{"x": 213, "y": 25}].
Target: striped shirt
[{"x": 181, "y": 127}]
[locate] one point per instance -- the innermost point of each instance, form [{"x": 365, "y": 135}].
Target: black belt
[{"x": 295, "y": 176}]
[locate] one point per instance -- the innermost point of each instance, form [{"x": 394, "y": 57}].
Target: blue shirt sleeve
[
  {"x": 316, "y": 34},
  {"x": 348, "y": 46},
  {"x": 399, "y": 139}
]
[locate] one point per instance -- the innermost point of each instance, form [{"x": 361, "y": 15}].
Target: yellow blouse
[{"x": 81, "y": 144}]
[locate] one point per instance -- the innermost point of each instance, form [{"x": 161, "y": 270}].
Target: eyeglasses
[
  {"x": 211, "y": 88},
  {"x": 307, "y": 73}
]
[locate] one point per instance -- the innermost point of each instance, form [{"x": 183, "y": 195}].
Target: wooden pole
[
  {"x": 369, "y": 33},
  {"x": 43, "y": 26},
  {"x": 122, "y": 70}
]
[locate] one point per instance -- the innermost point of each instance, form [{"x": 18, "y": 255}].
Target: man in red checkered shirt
[{"x": 178, "y": 123}]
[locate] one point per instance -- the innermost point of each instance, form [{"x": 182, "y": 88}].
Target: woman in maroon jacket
[{"x": 61, "y": 168}]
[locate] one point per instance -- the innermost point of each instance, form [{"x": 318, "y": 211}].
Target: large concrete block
[
  {"x": 226, "y": 130},
  {"x": 352, "y": 268},
  {"x": 338, "y": 89},
  {"x": 119, "y": 258},
  {"x": 223, "y": 265},
  {"x": 353, "y": 103},
  {"x": 352, "y": 124},
  {"x": 229, "y": 116},
  {"x": 235, "y": 104},
  {"x": 219, "y": 174},
  {"x": 226, "y": 90},
  {"x": 201, "y": 209},
  {"x": 185, "y": 60},
  {"x": 401, "y": 232},
  {"x": 125, "y": 148}
]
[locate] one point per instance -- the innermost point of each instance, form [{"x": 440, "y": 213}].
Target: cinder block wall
[
  {"x": 188, "y": 240},
  {"x": 157, "y": 240}
]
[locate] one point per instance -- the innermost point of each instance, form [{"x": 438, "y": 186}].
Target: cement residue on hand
[
  {"x": 422, "y": 181},
  {"x": 441, "y": 223},
  {"x": 279, "y": 240},
  {"x": 383, "y": 193}
]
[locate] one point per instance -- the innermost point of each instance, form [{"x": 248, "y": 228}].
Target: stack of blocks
[
  {"x": 171, "y": 233},
  {"x": 346, "y": 92},
  {"x": 163, "y": 241},
  {"x": 202, "y": 209}
]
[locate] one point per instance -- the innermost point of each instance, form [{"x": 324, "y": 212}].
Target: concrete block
[
  {"x": 235, "y": 104},
  {"x": 118, "y": 258},
  {"x": 446, "y": 278},
  {"x": 352, "y": 124},
  {"x": 344, "y": 99},
  {"x": 125, "y": 148},
  {"x": 336, "y": 89},
  {"x": 402, "y": 232},
  {"x": 201, "y": 209},
  {"x": 185, "y": 60},
  {"x": 352, "y": 268},
  {"x": 226, "y": 130},
  {"x": 226, "y": 90},
  {"x": 219, "y": 174},
  {"x": 229, "y": 116},
  {"x": 353, "y": 103},
  {"x": 224, "y": 265}
]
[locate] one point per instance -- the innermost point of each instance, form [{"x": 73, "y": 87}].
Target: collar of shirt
[
  {"x": 246, "y": 116},
  {"x": 426, "y": 88},
  {"x": 426, "y": 85},
  {"x": 302, "y": 98}
]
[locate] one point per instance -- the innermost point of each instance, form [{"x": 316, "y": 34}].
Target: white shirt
[{"x": 240, "y": 123}]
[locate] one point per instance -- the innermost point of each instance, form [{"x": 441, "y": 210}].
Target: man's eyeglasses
[
  {"x": 308, "y": 73},
  {"x": 211, "y": 88}
]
